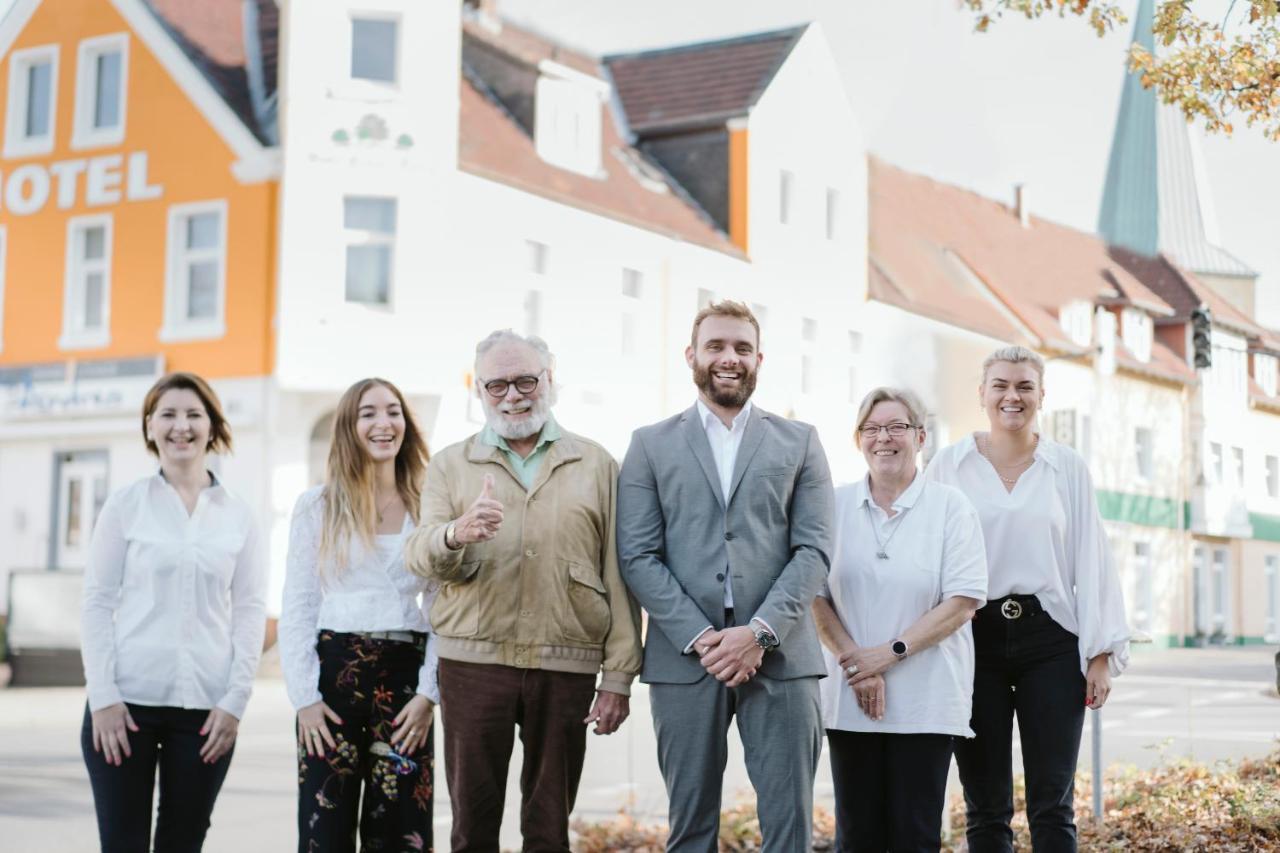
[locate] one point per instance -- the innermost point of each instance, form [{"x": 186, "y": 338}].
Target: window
[
  {"x": 537, "y": 254},
  {"x": 101, "y": 75},
  {"x": 1273, "y": 464},
  {"x": 786, "y": 182},
  {"x": 806, "y": 374},
  {"x": 1062, "y": 424},
  {"x": 1143, "y": 449},
  {"x": 1136, "y": 331},
  {"x": 369, "y": 230},
  {"x": 87, "y": 290},
  {"x": 3, "y": 266},
  {"x": 1218, "y": 592},
  {"x": 627, "y": 336},
  {"x": 195, "y": 293},
  {"x": 375, "y": 44},
  {"x": 1265, "y": 369},
  {"x": 1215, "y": 463},
  {"x": 632, "y": 282},
  {"x": 1142, "y": 586},
  {"x": 1271, "y": 569},
  {"x": 31, "y": 113},
  {"x": 1076, "y": 319},
  {"x": 855, "y": 342},
  {"x": 568, "y": 118},
  {"x": 833, "y": 212},
  {"x": 808, "y": 329},
  {"x": 1237, "y": 459},
  {"x": 533, "y": 312},
  {"x": 705, "y": 297}
]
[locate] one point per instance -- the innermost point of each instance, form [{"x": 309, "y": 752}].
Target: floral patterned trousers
[{"x": 366, "y": 682}]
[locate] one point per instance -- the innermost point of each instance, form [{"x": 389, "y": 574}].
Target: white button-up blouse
[
  {"x": 374, "y": 592},
  {"x": 1045, "y": 538},
  {"x": 174, "y": 604}
]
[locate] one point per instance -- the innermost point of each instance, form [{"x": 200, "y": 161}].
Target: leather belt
[
  {"x": 395, "y": 636},
  {"x": 1016, "y": 606}
]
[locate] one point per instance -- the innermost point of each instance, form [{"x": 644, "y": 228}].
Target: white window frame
[
  {"x": 1271, "y": 579},
  {"x": 364, "y": 84},
  {"x": 1144, "y": 452},
  {"x": 177, "y": 326},
  {"x": 16, "y": 143},
  {"x": 833, "y": 213},
  {"x": 361, "y": 237},
  {"x": 537, "y": 257},
  {"x": 1266, "y": 372},
  {"x": 83, "y": 133},
  {"x": 1137, "y": 331},
  {"x": 786, "y": 196},
  {"x": 632, "y": 283},
  {"x": 1217, "y": 463},
  {"x": 74, "y": 337},
  {"x": 569, "y": 119},
  {"x": 1270, "y": 463},
  {"x": 1143, "y": 587},
  {"x": 1220, "y": 618},
  {"x": 4, "y": 264},
  {"x": 1238, "y": 467},
  {"x": 1076, "y": 319},
  {"x": 532, "y": 306}
]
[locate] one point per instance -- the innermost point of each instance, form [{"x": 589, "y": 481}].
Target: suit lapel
[
  {"x": 752, "y": 435},
  {"x": 696, "y": 434}
]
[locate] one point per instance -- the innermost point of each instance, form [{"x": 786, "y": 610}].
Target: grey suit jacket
[{"x": 678, "y": 535}]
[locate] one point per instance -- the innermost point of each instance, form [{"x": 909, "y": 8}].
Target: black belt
[
  {"x": 728, "y": 617},
  {"x": 1013, "y": 607}
]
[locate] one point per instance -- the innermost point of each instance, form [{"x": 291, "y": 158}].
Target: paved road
[{"x": 1207, "y": 704}]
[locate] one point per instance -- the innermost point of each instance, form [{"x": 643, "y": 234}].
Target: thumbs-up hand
[{"x": 482, "y": 519}]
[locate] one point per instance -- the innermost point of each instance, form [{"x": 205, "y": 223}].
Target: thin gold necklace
[
  {"x": 1024, "y": 464},
  {"x": 384, "y": 507}
]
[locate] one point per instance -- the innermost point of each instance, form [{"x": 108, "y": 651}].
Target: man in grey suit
[{"x": 724, "y": 537}]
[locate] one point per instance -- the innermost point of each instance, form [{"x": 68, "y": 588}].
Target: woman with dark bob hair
[
  {"x": 354, "y": 636},
  {"x": 172, "y": 625}
]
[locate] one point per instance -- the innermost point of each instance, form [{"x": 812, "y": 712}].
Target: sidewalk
[{"x": 1207, "y": 703}]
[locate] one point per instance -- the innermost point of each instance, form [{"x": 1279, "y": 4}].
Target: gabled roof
[
  {"x": 701, "y": 84},
  {"x": 495, "y": 143},
  {"x": 212, "y": 35},
  {"x": 1156, "y": 198},
  {"x": 956, "y": 256}
]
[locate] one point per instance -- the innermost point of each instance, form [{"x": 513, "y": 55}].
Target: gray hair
[
  {"x": 1014, "y": 355},
  {"x": 884, "y": 394},
  {"x": 507, "y": 336}
]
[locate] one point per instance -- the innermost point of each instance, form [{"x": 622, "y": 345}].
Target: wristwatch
[
  {"x": 899, "y": 649},
  {"x": 765, "y": 639}
]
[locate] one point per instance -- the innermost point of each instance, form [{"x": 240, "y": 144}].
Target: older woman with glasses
[
  {"x": 1054, "y": 632},
  {"x": 907, "y": 574}
]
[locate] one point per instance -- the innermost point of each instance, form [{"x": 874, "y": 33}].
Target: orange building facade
[{"x": 138, "y": 195}]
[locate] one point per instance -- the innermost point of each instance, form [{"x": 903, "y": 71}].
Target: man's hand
[
  {"x": 732, "y": 655},
  {"x": 870, "y": 661},
  {"x": 220, "y": 729},
  {"x": 608, "y": 712},
  {"x": 482, "y": 519}
]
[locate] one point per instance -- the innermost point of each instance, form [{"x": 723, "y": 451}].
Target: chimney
[{"x": 1020, "y": 204}]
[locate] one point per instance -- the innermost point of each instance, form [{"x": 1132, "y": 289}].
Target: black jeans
[
  {"x": 1028, "y": 666},
  {"x": 889, "y": 790},
  {"x": 351, "y": 788},
  {"x": 122, "y": 796}
]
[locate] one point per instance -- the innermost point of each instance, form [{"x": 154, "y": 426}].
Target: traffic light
[{"x": 1201, "y": 339}]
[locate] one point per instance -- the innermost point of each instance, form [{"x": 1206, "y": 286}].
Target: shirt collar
[
  {"x": 550, "y": 432},
  {"x": 906, "y": 500},
  {"x": 707, "y": 416},
  {"x": 1047, "y": 449},
  {"x": 214, "y": 482}
]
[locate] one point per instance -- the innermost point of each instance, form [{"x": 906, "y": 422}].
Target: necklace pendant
[{"x": 882, "y": 555}]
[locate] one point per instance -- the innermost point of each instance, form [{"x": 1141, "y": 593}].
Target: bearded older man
[{"x": 518, "y": 528}]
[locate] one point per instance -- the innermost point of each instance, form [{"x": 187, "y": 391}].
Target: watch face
[{"x": 899, "y": 648}]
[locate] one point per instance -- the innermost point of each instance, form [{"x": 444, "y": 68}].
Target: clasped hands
[
  {"x": 731, "y": 655},
  {"x": 867, "y": 681}
]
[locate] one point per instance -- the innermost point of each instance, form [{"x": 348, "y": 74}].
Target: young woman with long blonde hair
[{"x": 355, "y": 637}]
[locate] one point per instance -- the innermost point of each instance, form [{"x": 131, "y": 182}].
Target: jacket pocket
[
  {"x": 587, "y": 618},
  {"x": 456, "y": 610}
]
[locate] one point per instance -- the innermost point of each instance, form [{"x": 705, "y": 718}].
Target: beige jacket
[{"x": 545, "y": 593}]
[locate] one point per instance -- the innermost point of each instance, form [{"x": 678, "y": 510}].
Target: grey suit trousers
[{"x": 780, "y": 720}]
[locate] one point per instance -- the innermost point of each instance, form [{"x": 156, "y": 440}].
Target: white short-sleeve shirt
[{"x": 935, "y": 552}]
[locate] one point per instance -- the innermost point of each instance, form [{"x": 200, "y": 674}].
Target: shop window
[{"x": 195, "y": 294}]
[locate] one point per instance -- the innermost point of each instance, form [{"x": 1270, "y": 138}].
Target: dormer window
[
  {"x": 1136, "y": 330},
  {"x": 1076, "y": 319},
  {"x": 1265, "y": 368},
  {"x": 568, "y": 122}
]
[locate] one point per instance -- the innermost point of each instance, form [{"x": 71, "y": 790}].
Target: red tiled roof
[
  {"x": 492, "y": 145},
  {"x": 531, "y": 47},
  {"x": 699, "y": 83},
  {"x": 959, "y": 257}
]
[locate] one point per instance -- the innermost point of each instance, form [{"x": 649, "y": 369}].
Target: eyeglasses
[
  {"x": 895, "y": 430},
  {"x": 497, "y": 388}
]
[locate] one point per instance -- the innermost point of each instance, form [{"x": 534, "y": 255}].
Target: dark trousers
[
  {"x": 482, "y": 705},
  {"x": 170, "y": 739},
  {"x": 890, "y": 790},
  {"x": 366, "y": 682},
  {"x": 1028, "y": 666}
]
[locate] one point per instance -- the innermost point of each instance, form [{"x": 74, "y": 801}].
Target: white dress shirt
[
  {"x": 934, "y": 543},
  {"x": 724, "y": 450},
  {"x": 374, "y": 592},
  {"x": 1045, "y": 538},
  {"x": 174, "y": 604}
]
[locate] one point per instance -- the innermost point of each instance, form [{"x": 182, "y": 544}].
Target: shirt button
[
  {"x": 729, "y": 535},
  {"x": 720, "y": 576},
  {"x": 526, "y": 613},
  {"x": 529, "y": 553}
]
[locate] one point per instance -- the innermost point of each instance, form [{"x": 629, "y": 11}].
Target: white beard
[{"x": 529, "y": 425}]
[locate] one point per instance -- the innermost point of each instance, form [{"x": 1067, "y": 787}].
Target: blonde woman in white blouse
[
  {"x": 359, "y": 660},
  {"x": 1053, "y": 633},
  {"x": 171, "y": 631}
]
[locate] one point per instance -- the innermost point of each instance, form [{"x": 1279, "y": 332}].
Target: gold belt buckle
[{"x": 1011, "y": 609}]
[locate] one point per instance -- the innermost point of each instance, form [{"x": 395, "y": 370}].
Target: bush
[{"x": 1182, "y": 806}]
